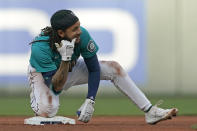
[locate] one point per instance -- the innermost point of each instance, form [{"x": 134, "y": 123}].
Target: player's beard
[{"x": 66, "y": 38}]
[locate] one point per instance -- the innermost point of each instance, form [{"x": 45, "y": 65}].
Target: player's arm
[
  {"x": 56, "y": 79},
  {"x": 88, "y": 51},
  {"x": 65, "y": 48},
  {"x": 93, "y": 76},
  {"x": 41, "y": 59},
  {"x": 60, "y": 77},
  {"x": 85, "y": 112}
]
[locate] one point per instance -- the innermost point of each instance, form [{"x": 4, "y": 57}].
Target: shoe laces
[
  {"x": 159, "y": 102},
  {"x": 159, "y": 111}
]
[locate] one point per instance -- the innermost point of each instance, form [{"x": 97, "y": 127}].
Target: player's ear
[{"x": 61, "y": 33}]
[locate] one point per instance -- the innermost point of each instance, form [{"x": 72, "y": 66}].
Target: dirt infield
[{"x": 103, "y": 123}]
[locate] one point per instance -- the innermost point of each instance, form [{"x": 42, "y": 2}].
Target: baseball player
[{"x": 54, "y": 66}]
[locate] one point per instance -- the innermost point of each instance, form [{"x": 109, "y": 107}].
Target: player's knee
[
  {"x": 118, "y": 70},
  {"x": 47, "y": 110},
  {"x": 111, "y": 70},
  {"x": 47, "y": 106}
]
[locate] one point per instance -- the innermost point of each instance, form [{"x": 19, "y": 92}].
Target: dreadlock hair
[{"x": 53, "y": 37}]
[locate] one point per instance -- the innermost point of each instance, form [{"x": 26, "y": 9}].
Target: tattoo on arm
[{"x": 60, "y": 76}]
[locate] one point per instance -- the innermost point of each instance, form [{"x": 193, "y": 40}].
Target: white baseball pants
[{"x": 45, "y": 103}]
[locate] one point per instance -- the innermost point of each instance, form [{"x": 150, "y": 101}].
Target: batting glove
[
  {"x": 86, "y": 111},
  {"x": 65, "y": 48}
]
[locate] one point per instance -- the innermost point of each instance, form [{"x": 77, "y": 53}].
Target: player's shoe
[{"x": 157, "y": 114}]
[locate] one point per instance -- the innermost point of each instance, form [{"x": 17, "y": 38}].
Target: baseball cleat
[{"x": 157, "y": 114}]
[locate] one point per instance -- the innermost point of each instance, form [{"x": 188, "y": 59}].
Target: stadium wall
[{"x": 160, "y": 45}]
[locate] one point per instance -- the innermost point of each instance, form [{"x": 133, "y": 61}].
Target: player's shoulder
[
  {"x": 40, "y": 41},
  {"x": 85, "y": 33},
  {"x": 83, "y": 29},
  {"x": 40, "y": 44},
  {"x": 84, "y": 37},
  {"x": 88, "y": 46}
]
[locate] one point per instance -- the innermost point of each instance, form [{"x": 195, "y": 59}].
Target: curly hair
[{"x": 53, "y": 37}]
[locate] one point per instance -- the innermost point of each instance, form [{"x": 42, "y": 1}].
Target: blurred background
[{"x": 154, "y": 40}]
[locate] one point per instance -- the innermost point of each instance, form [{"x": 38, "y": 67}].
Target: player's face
[{"x": 72, "y": 32}]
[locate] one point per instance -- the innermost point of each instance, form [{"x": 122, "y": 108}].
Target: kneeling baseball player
[{"x": 54, "y": 66}]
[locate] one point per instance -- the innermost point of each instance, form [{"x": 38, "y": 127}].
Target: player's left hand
[{"x": 86, "y": 111}]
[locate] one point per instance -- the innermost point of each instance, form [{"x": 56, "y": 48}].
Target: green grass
[
  {"x": 104, "y": 106},
  {"x": 194, "y": 126}
]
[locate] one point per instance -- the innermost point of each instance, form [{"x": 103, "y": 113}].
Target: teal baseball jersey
[{"x": 43, "y": 59}]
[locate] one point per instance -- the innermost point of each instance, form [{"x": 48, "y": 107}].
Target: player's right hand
[
  {"x": 86, "y": 111},
  {"x": 65, "y": 48}
]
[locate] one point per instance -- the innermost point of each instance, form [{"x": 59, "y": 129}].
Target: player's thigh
[
  {"x": 79, "y": 74},
  {"x": 42, "y": 98}
]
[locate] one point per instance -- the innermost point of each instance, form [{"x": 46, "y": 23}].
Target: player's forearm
[
  {"x": 65, "y": 48},
  {"x": 94, "y": 76},
  {"x": 60, "y": 76}
]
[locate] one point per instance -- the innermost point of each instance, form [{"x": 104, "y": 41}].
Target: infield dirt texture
[{"x": 103, "y": 123}]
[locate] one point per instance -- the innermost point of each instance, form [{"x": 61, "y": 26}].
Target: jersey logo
[{"x": 91, "y": 47}]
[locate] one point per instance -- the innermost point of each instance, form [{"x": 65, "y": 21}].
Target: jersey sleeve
[
  {"x": 41, "y": 60},
  {"x": 88, "y": 46}
]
